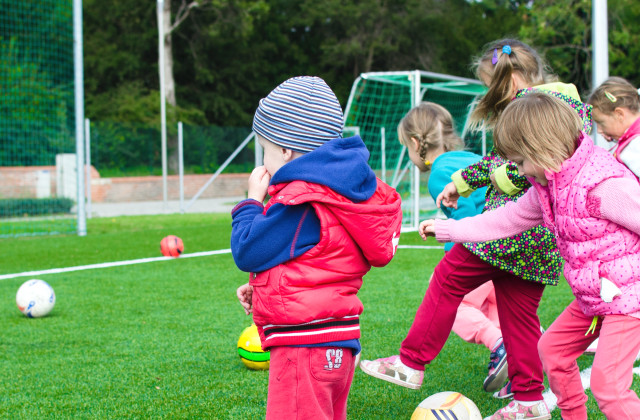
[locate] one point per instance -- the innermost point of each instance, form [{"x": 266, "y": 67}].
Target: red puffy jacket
[{"x": 313, "y": 298}]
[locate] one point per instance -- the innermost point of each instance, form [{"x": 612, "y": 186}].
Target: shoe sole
[
  {"x": 387, "y": 378},
  {"x": 496, "y": 381},
  {"x": 502, "y": 397}
]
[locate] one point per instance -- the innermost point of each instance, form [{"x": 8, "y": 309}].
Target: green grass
[{"x": 158, "y": 340}]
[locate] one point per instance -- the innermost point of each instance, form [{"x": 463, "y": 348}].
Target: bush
[{"x": 15, "y": 207}]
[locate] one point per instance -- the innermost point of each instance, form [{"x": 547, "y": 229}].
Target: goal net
[
  {"x": 377, "y": 103},
  {"x": 37, "y": 136}
]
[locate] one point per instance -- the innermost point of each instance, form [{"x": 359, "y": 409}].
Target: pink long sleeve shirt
[{"x": 614, "y": 199}]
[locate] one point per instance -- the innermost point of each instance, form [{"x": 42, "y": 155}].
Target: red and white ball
[
  {"x": 35, "y": 298},
  {"x": 171, "y": 246}
]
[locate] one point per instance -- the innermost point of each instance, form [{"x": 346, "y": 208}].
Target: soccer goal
[{"x": 377, "y": 103}]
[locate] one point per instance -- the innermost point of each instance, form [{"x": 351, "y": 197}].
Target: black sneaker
[{"x": 497, "y": 369}]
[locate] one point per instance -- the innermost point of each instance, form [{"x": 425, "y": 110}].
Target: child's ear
[
  {"x": 415, "y": 143},
  {"x": 517, "y": 82},
  {"x": 287, "y": 154},
  {"x": 619, "y": 113}
]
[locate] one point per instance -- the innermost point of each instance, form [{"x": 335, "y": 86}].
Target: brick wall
[{"x": 21, "y": 182}]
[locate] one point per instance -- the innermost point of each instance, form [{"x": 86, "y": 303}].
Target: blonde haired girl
[
  {"x": 520, "y": 266},
  {"x": 427, "y": 131},
  {"x": 591, "y": 201},
  {"x": 616, "y": 110}
]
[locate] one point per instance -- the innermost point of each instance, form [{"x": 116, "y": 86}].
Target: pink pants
[
  {"x": 457, "y": 274},
  {"x": 477, "y": 317},
  {"x": 309, "y": 383},
  {"x": 611, "y": 374}
]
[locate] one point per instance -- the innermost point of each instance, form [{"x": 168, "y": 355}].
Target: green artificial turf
[{"x": 158, "y": 340}]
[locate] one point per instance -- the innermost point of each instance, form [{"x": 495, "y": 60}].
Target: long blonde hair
[
  {"x": 432, "y": 125},
  {"x": 540, "y": 128},
  {"x": 521, "y": 59},
  {"x": 615, "y": 92}
]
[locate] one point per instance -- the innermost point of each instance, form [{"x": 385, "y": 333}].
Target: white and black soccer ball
[
  {"x": 447, "y": 405},
  {"x": 35, "y": 298}
]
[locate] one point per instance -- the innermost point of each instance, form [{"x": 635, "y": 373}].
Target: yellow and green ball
[{"x": 250, "y": 351}]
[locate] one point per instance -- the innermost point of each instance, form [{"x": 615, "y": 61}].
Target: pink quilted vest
[{"x": 592, "y": 247}]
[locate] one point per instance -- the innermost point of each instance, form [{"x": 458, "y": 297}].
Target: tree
[{"x": 561, "y": 31}]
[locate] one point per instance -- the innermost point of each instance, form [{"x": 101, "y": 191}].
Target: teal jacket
[{"x": 441, "y": 170}]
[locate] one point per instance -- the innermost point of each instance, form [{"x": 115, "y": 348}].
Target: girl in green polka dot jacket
[{"x": 520, "y": 266}]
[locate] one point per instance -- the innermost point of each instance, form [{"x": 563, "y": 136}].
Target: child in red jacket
[{"x": 328, "y": 220}]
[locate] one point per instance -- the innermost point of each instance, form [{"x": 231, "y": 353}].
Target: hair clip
[
  {"x": 494, "y": 59},
  {"x": 610, "y": 96},
  {"x": 427, "y": 163},
  {"x": 506, "y": 49}
]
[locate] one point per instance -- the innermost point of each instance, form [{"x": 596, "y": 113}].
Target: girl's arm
[
  {"x": 466, "y": 207},
  {"x": 479, "y": 174},
  {"x": 618, "y": 200},
  {"x": 503, "y": 222}
]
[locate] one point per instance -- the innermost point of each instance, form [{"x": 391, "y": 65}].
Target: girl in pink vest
[
  {"x": 591, "y": 202},
  {"x": 616, "y": 110}
]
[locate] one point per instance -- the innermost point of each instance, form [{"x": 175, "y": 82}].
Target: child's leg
[
  {"x": 472, "y": 322},
  {"x": 309, "y": 383},
  {"x": 612, "y": 371},
  {"x": 559, "y": 348},
  {"x": 458, "y": 273},
  {"x": 518, "y": 301}
]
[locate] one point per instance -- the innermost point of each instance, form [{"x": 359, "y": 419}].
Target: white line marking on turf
[
  {"x": 110, "y": 264},
  {"x": 585, "y": 376},
  {"x": 147, "y": 260}
]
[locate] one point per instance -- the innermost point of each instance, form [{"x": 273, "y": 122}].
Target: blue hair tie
[{"x": 506, "y": 49}]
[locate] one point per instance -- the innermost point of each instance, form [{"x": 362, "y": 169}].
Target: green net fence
[
  {"x": 377, "y": 103},
  {"x": 36, "y": 117},
  {"x": 130, "y": 149}
]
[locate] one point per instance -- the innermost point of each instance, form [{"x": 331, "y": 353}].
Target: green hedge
[{"x": 16, "y": 207}]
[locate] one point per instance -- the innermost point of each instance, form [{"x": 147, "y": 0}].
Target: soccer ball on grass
[
  {"x": 447, "y": 405},
  {"x": 250, "y": 351},
  {"x": 35, "y": 298},
  {"x": 171, "y": 246}
]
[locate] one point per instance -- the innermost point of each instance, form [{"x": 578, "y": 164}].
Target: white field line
[
  {"x": 142, "y": 261},
  {"x": 585, "y": 376},
  {"x": 109, "y": 264}
]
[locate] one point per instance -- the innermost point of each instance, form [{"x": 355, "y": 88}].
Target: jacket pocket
[{"x": 259, "y": 279}]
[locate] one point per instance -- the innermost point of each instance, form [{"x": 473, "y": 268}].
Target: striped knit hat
[{"x": 301, "y": 114}]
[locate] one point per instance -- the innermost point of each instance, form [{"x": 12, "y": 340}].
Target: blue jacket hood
[{"x": 340, "y": 164}]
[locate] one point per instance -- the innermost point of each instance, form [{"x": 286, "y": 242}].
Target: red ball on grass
[{"x": 171, "y": 246}]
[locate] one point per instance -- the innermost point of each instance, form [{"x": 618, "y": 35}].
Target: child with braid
[
  {"x": 427, "y": 131},
  {"x": 519, "y": 266}
]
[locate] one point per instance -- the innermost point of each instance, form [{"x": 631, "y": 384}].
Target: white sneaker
[
  {"x": 391, "y": 369},
  {"x": 538, "y": 411}
]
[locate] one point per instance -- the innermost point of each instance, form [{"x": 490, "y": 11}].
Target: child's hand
[
  {"x": 245, "y": 296},
  {"x": 449, "y": 196},
  {"x": 492, "y": 177},
  {"x": 427, "y": 228},
  {"x": 259, "y": 183}
]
